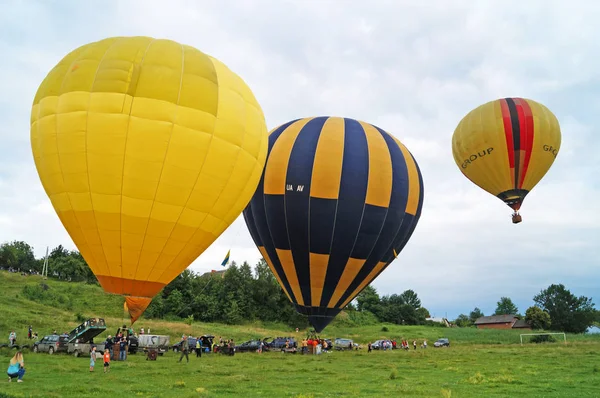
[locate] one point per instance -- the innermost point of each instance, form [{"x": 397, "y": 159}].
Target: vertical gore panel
[
  {"x": 351, "y": 202},
  {"x": 394, "y": 217},
  {"x": 297, "y": 198}
]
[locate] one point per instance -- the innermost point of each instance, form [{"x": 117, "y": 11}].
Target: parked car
[
  {"x": 52, "y": 343},
  {"x": 132, "y": 344},
  {"x": 442, "y": 343},
  {"x": 177, "y": 346},
  {"x": 378, "y": 345},
  {"x": 250, "y": 346},
  {"x": 344, "y": 344},
  {"x": 279, "y": 342}
]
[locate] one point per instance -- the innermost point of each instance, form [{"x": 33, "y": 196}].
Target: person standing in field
[
  {"x": 415, "y": 344},
  {"x": 12, "y": 338},
  {"x": 370, "y": 348},
  {"x": 92, "y": 359},
  {"x": 424, "y": 343},
  {"x": 16, "y": 368},
  {"x": 122, "y": 348},
  {"x": 185, "y": 347},
  {"x": 29, "y": 332},
  {"x": 198, "y": 348},
  {"x": 106, "y": 358}
]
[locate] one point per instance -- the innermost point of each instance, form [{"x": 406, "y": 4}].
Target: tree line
[
  {"x": 555, "y": 308},
  {"x": 243, "y": 293}
]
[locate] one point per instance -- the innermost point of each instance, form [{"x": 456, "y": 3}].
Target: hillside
[{"x": 50, "y": 305}]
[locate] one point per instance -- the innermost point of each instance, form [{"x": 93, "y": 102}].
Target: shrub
[
  {"x": 385, "y": 329},
  {"x": 544, "y": 338}
]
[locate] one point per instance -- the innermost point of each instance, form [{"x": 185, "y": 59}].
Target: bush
[
  {"x": 385, "y": 329},
  {"x": 544, "y": 338},
  {"x": 79, "y": 317}
]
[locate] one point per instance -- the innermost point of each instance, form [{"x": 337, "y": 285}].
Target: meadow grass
[{"x": 478, "y": 363}]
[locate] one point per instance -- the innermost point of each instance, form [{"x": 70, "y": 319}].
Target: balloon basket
[{"x": 516, "y": 218}]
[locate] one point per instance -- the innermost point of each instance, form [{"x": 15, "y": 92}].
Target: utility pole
[{"x": 45, "y": 266}]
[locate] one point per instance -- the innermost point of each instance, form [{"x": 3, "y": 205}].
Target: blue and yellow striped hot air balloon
[{"x": 337, "y": 201}]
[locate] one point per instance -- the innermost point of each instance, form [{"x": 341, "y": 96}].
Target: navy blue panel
[
  {"x": 394, "y": 216},
  {"x": 400, "y": 239},
  {"x": 410, "y": 223},
  {"x": 322, "y": 219},
  {"x": 257, "y": 210},
  {"x": 275, "y": 215},
  {"x": 298, "y": 178},
  {"x": 351, "y": 202},
  {"x": 370, "y": 228},
  {"x": 249, "y": 219}
]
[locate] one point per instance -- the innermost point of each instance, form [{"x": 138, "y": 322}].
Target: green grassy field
[{"x": 478, "y": 363}]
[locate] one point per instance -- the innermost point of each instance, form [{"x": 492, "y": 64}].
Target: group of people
[
  {"x": 105, "y": 358},
  {"x": 120, "y": 340},
  {"x": 393, "y": 344}
]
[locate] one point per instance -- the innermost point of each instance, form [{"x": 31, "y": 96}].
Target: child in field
[
  {"x": 92, "y": 359},
  {"x": 106, "y": 361}
]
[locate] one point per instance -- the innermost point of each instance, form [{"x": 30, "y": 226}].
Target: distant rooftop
[{"x": 495, "y": 319}]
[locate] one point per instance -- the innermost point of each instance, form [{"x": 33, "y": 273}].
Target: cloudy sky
[{"x": 413, "y": 70}]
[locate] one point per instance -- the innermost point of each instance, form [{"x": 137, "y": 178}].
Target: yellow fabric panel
[
  {"x": 353, "y": 266},
  {"x": 414, "y": 185},
  {"x": 364, "y": 283},
  {"x": 379, "y": 188},
  {"x": 148, "y": 150},
  {"x": 480, "y": 150},
  {"x": 287, "y": 262},
  {"x": 546, "y": 144},
  {"x": 277, "y": 164},
  {"x": 327, "y": 165},
  {"x": 318, "y": 270},
  {"x": 262, "y": 251}
]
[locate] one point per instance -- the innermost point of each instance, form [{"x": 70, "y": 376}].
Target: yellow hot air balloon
[
  {"x": 148, "y": 150},
  {"x": 506, "y": 146}
]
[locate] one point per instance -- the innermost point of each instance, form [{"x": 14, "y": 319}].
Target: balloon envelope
[
  {"x": 506, "y": 146},
  {"x": 338, "y": 200},
  {"x": 148, "y": 150}
]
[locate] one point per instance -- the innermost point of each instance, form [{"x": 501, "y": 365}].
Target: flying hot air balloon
[
  {"x": 506, "y": 146},
  {"x": 148, "y": 150},
  {"x": 338, "y": 200}
]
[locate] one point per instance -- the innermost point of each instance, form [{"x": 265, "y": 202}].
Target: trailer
[
  {"x": 84, "y": 349},
  {"x": 154, "y": 342},
  {"x": 81, "y": 339}
]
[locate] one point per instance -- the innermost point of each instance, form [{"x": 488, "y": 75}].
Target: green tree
[
  {"x": 18, "y": 255},
  {"x": 174, "y": 303},
  {"x": 410, "y": 297},
  {"x": 368, "y": 300},
  {"x": 423, "y": 313},
  {"x": 506, "y": 307},
  {"x": 568, "y": 313},
  {"x": 475, "y": 314},
  {"x": 537, "y": 318},
  {"x": 462, "y": 321}
]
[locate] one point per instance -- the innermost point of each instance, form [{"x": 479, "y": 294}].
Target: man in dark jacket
[{"x": 185, "y": 348}]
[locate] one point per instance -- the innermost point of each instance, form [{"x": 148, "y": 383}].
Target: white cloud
[{"x": 414, "y": 70}]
